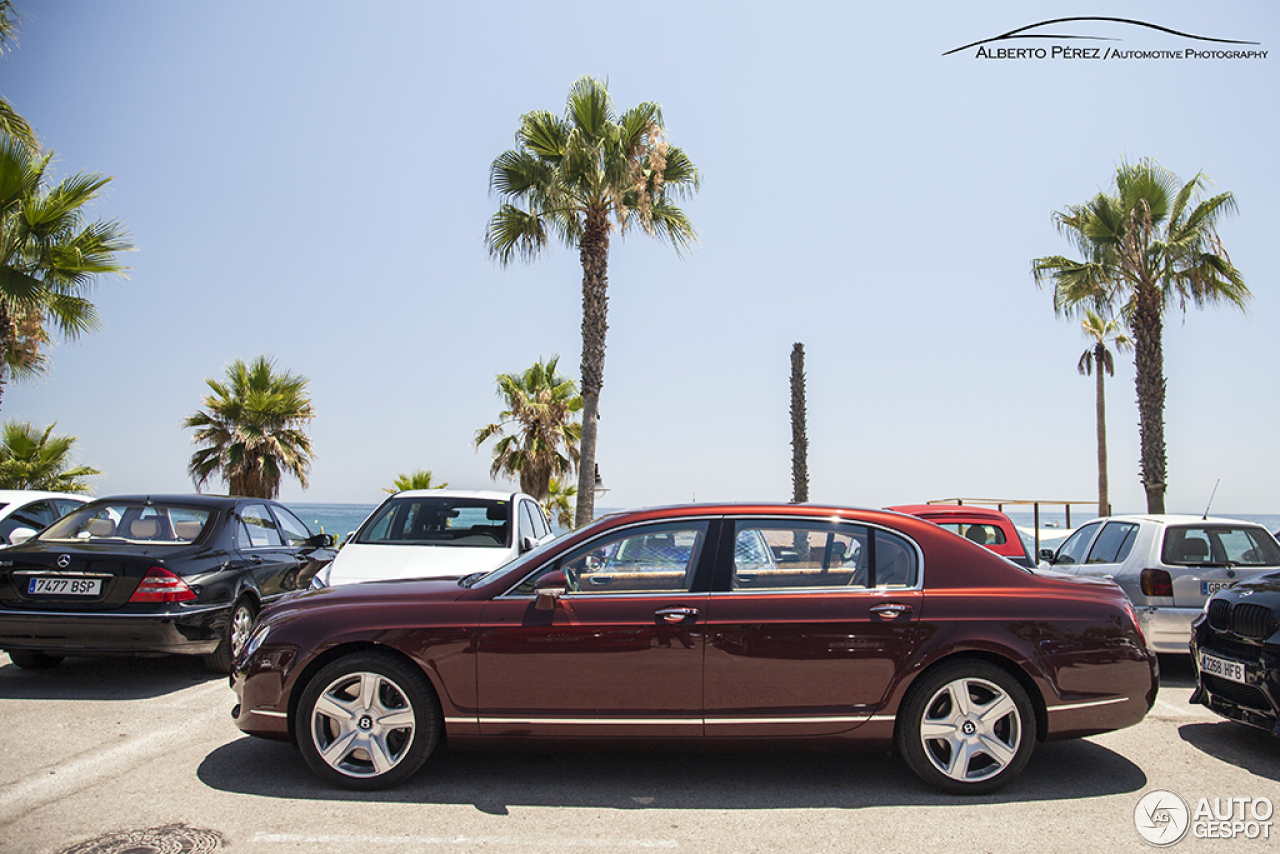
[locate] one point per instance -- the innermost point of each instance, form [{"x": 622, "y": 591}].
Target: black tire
[
  {"x": 364, "y": 704},
  {"x": 234, "y": 637},
  {"x": 34, "y": 659},
  {"x": 967, "y": 727}
]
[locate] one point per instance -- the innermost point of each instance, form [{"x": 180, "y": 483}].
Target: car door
[
  {"x": 621, "y": 652},
  {"x": 1071, "y": 554},
  {"x": 271, "y": 563},
  {"x": 1110, "y": 549},
  {"x": 806, "y": 638}
]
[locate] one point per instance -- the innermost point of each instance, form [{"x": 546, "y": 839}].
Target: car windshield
[
  {"x": 439, "y": 521},
  {"x": 153, "y": 524}
]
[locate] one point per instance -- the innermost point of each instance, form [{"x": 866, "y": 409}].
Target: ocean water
[{"x": 336, "y": 519}]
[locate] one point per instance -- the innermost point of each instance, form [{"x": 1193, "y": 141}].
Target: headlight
[{"x": 256, "y": 639}]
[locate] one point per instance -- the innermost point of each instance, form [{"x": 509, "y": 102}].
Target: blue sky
[{"x": 309, "y": 180}]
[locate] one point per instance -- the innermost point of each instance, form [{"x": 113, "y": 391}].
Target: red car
[
  {"x": 708, "y": 622},
  {"x": 989, "y": 528}
]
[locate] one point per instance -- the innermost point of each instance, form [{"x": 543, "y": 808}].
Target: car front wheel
[
  {"x": 367, "y": 721},
  {"x": 967, "y": 728}
]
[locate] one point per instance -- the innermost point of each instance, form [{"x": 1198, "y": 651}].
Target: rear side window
[
  {"x": 1114, "y": 543},
  {"x": 978, "y": 532},
  {"x": 782, "y": 555},
  {"x": 1219, "y": 545}
]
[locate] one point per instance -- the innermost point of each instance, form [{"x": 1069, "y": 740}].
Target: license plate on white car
[
  {"x": 1232, "y": 671},
  {"x": 65, "y": 586},
  {"x": 1208, "y": 588}
]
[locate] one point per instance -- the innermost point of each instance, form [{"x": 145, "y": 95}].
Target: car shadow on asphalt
[
  {"x": 666, "y": 777},
  {"x": 1250, "y": 749},
  {"x": 104, "y": 678}
]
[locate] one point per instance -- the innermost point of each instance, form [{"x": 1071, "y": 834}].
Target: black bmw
[
  {"x": 152, "y": 575},
  {"x": 1235, "y": 645}
]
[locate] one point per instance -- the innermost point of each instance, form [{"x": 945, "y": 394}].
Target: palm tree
[
  {"x": 541, "y": 410},
  {"x": 1102, "y": 330},
  {"x": 49, "y": 256},
  {"x": 35, "y": 459},
  {"x": 420, "y": 479},
  {"x": 10, "y": 122},
  {"x": 559, "y": 503},
  {"x": 578, "y": 177},
  {"x": 252, "y": 430},
  {"x": 1152, "y": 245}
]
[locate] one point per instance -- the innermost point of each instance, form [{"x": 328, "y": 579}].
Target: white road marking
[
  {"x": 410, "y": 841},
  {"x": 52, "y": 783}
]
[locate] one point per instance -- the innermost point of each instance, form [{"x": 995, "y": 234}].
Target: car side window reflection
[
  {"x": 649, "y": 559},
  {"x": 779, "y": 555}
]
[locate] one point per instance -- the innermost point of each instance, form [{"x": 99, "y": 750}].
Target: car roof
[
  {"x": 198, "y": 499},
  {"x": 1176, "y": 519},
  {"x": 487, "y": 494},
  {"x": 8, "y": 496},
  {"x": 944, "y": 510}
]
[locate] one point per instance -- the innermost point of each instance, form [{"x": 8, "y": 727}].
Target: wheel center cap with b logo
[{"x": 365, "y": 722}]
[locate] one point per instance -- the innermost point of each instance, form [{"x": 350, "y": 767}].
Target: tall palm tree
[
  {"x": 577, "y": 178},
  {"x": 252, "y": 431},
  {"x": 420, "y": 479},
  {"x": 1151, "y": 245},
  {"x": 49, "y": 256},
  {"x": 10, "y": 122},
  {"x": 541, "y": 412},
  {"x": 35, "y": 459},
  {"x": 1102, "y": 331}
]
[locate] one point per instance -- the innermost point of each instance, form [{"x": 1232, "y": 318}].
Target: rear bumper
[
  {"x": 1167, "y": 630},
  {"x": 193, "y": 631}
]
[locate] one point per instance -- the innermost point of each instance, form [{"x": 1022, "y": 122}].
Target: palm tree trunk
[
  {"x": 1100, "y": 362},
  {"x": 594, "y": 251},
  {"x": 5, "y": 330},
  {"x": 799, "y": 437},
  {"x": 1148, "y": 327}
]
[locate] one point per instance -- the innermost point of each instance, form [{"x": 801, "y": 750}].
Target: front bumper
[
  {"x": 1256, "y": 701},
  {"x": 190, "y": 631}
]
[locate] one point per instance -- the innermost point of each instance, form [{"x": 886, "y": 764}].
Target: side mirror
[
  {"x": 20, "y": 535},
  {"x": 549, "y": 588},
  {"x": 322, "y": 541},
  {"x": 1047, "y": 555},
  {"x": 526, "y": 544}
]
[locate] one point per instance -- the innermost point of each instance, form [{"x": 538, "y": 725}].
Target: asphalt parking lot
[{"x": 117, "y": 755}]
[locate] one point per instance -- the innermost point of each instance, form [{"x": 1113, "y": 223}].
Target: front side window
[
  {"x": 1114, "y": 543},
  {"x": 785, "y": 555},
  {"x": 154, "y": 524},
  {"x": 1220, "y": 546},
  {"x": 1072, "y": 551},
  {"x": 650, "y": 559},
  {"x": 294, "y": 529},
  {"x": 439, "y": 521}
]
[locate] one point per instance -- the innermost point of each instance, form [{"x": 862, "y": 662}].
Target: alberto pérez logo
[
  {"x": 1163, "y": 818},
  {"x": 1070, "y": 39}
]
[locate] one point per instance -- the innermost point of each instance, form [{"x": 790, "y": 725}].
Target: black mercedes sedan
[
  {"x": 153, "y": 574},
  {"x": 1235, "y": 645}
]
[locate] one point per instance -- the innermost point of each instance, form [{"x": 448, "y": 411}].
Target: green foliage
[
  {"x": 49, "y": 256},
  {"x": 34, "y": 459},
  {"x": 559, "y": 503},
  {"x": 420, "y": 479},
  {"x": 541, "y": 414},
  {"x": 12, "y": 124},
  {"x": 252, "y": 430}
]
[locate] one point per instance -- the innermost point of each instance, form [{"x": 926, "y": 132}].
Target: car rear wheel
[
  {"x": 34, "y": 659},
  {"x": 967, "y": 728},
  {"x": 234, "y": 637},
  {"x": 367, "y": 721}
]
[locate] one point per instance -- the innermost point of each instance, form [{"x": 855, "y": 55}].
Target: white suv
[
  {"x": 438, "y": 533},
  {"x": 1169, "y": 565}
]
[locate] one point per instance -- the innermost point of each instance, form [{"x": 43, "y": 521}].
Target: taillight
[
  {"x": 161, "y": 585},
  {"x": 1156, "y": 582}
]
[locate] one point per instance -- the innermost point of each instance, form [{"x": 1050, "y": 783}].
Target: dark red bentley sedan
[{"x": 748, "y": 622}]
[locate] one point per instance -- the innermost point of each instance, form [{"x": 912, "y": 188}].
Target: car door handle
[
  {"x": 676, "y": 615},
  {"x": 891, "y": 611},
  {"x": 255, "y": 559}
]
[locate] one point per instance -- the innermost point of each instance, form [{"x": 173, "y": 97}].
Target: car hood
[{"x": 362, "y": 562}]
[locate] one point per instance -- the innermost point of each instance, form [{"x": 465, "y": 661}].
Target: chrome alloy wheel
[
  {"x": 362, "y": 724},
  {"x": 971, "y": 729},
  {"x": 241, "y": 624}
]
